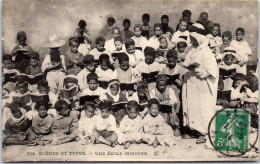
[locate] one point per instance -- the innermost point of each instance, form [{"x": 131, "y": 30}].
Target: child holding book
[
  {"x": 89, "y": 66},
  {"x": 156, "y": 131},
  {"x": 166, "y": 96},
  {"x": 15, "y": 126},
  {"x": 140, "y": 41},
  {"x": 154, "y": 40},
  {"x": 115, "y": 95},
  {"x": 110, "y": 44},
  {"x": 182, "y": 31},
  {"x": 119, "y": 48},
  {"x": 131, "y": 127},
  {"x": 165, "y": 45},
  {"x": 135, "y": 55},
  {"x": 87, "y": 123},
  {"x": 105, "y": 127},
  {"x": 65, "y": 123},
  {"x": 104, "y": 72}
]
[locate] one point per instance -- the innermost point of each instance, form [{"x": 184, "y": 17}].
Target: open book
[
  {"x": 29, "y": 78},
  {"x": 226, "y": 73},
  {"x": 72, "y": 91},
  {"x": 165, "y": 108},
  {"x": 21, "y": 54},
  {"x": 191, "y": 65},
  {"x": 25, "y": 98},
  {"x": 103, "y": 84},
  {"x": 172, "y": 78},
  {"x": 83, "y": 99},
  {"x": 127, "y": 86},
  {"x": 149, "y": 77},
  {"x": 40, "y": 97},
  {"x": 119, "y": 105},
  {"x": 224, "y": 94},
  {"x": 139, "y": 48}
]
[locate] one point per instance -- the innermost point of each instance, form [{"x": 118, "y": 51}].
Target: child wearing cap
[
  {"x": 148, "y": 66},
  {"x": 140, "y": 41},
  {"x": 89, "y": 66},
  {"x": 74, "y": 58},
  {"x": 115, "y": 95},
  {"x": 21, "y": 49},
  {"x": 156, "y": 131},
  {"x": 228, "y": 63},
  {"x": 99, "y": 49},
  {"x": 93, "y": 88},
  {"x": 182, "y": 31},
  {"x": 87, "y": 123},
  {"x": 135, "y": 55},
  {"x": 41, "y": 125},
  {"x": 166, "y": 96},
  {"x": 65, "y": 123},
  {"x": 131, "y": 127},
  {"x": 154, "y": 40},
  {"x": 142, "y": 96},
  {"x": 16, "y": 126},
  {"x": 103, "y": 71},
  {"x": 105, "y": 127},
  {"x": 242, "y": 48}
]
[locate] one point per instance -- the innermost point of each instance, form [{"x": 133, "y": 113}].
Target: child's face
[
  {"x": 114, "y": 89},
  {"x": 42, "y": 111},
  {"x": 226, "y": 41},
  {"x": 43, "y": 90},
  {"x": 104, "y": 113},
  {"x": 165, "y": 21},
  {"x": 34, "y": 62},
  {"x": 118, "y": 45},
  {"x": 104, "y": 65},
  {"x": 141, "y": 91},
  {"x": 183, "y": 26},
  {"x": 204, "y": 17},
  {"x": 239, "y": 36},
  {"x": 172, "y": 62},
  {"x": 124, "y": 65},
  {"x": 89, "y": 111},
  {"x": 131, "y": 49},
  {"x": 110, "y": 23},
  {"x": 145, "y": 21},
  {"x": 132, "y": 113},
  {"x": 90, "y": 67},
  {"x": 126, "y": 26},
  {"x": 154, "y": 110},
  {"x": 137, "y": 31},
  {"x": 21, "y": 89},
  {"x": 100, "y": 46},
  {"x": 158, "y": 32},
  {"x": 65, "y": 111},
  {"x": 92, "y": 84},
  {"x": 74, "y": 47},
  {"x": 149, "y": 59},
  {"x": 215, "y": 31},
  {"x": 8, "y": 64},
  {"x": 163, "y": 43},
  {"x": 116, "y": 32},
  {"x": 17, "y": 114},
  {"x": 229, "y": 59},
  {"x": 161, "y": 86},
  {"x": 181, "y": 48},
  {"x": 22, "y": 41},
  {"x": 238, "y": 82}
]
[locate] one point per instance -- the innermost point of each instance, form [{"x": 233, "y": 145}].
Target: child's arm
[
  {"x": 44, "y": 129},
  {"x": 112, "y": 123},
  {"x": 123, "y": 125}
]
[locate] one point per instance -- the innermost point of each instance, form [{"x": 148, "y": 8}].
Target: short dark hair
[
  {"x": 89, "y": 103},
  {"x": 82, "y": 24},
  {"x": 184, "y": 19},
  {"x": 59, "y": 103},
  {"x": 153, "y": 101},
  {"x": 100, "y": 39},
  {"x": 157, "y": 25},
  {"x": 129, "y": 42},
  {"x": 165, "y": 17},
  {"x": 111, "y": 19},
  {"x": 146, "y": 16},
  {"x": 149, "y": 51},
  {"x": 123, "y": 57},
  {"x": 186, "y": 13},
  {"x": 103, "y": 58},
  {"x": 118, "y": 38},
  {"x": 227, "y": 34},
  {"x": 171, "y": 54},
  {"x": 126, "y": 21},
  {"x": 73, "y": 40},
  {"x": 241, "y": 30},
  {"x": 7, "y": 57},
  {"x": 42, "y": 103},
  {"x": 105, "y": 104}
]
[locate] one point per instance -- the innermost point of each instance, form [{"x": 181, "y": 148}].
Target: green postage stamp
[{"x": 232, "y": 128}]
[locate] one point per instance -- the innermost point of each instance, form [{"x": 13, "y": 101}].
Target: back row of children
[{"x": 152, "y": 69}]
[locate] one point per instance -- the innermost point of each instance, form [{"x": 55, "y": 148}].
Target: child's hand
[{"x": 178, "y": 81}]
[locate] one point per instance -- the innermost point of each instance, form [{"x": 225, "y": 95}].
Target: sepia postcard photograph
[{"x": 130, "y": 81}]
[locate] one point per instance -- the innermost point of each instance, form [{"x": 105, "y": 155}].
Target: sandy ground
[{"x": 185, "y": 149}]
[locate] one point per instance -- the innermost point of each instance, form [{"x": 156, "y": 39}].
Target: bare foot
[{"x": 126, "y": 145}]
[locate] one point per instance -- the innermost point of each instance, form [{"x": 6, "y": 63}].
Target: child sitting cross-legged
[
  {"x": 131, "y": 126},
  {"x": 156, "y": 131},
  {"x": 65, "y": 123},
  {"x": 87, "y": 123},
  {"x": 105, "y": 127}
]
